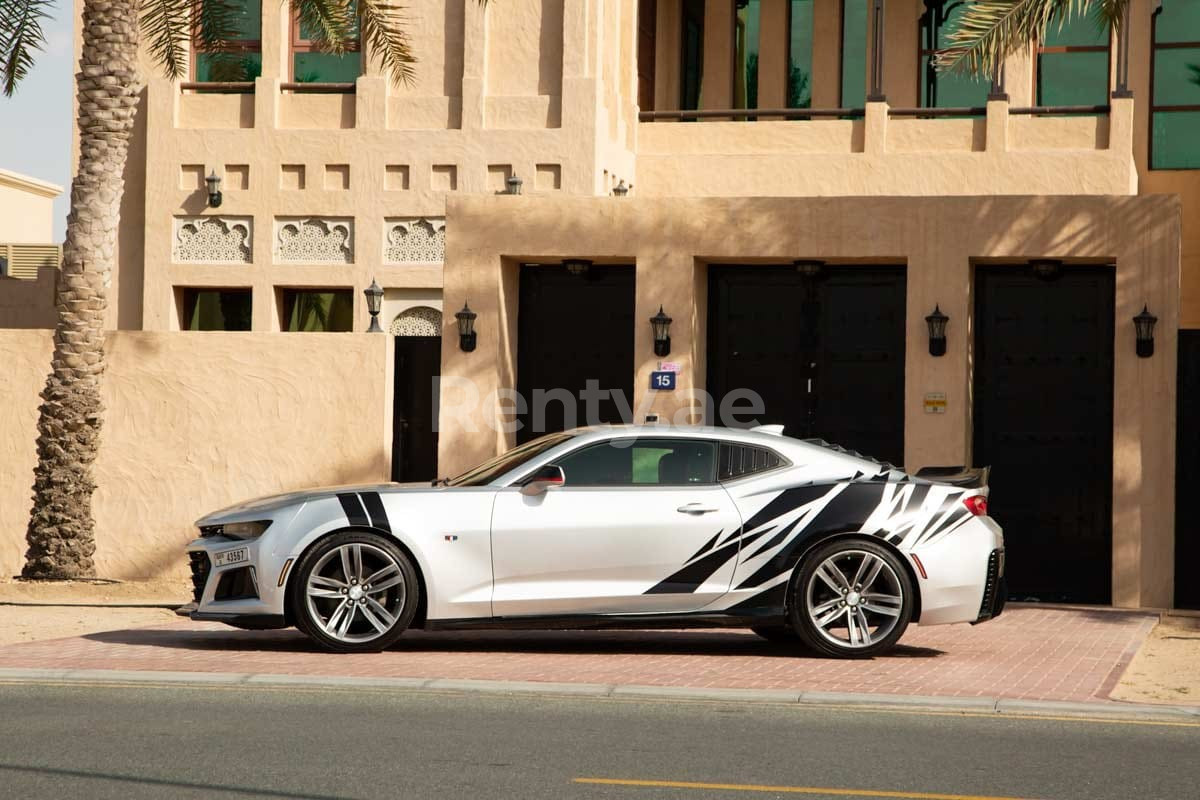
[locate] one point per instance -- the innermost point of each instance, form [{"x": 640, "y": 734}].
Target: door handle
[{"x": 696, "y": 508}]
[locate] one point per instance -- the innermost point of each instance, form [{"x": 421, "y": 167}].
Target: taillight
[{"x": 976, "y": 504}]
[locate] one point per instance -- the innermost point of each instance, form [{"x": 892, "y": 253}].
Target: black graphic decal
[
  {"x": 353, "y": 509},
  {"x": 375, "y": 510}
]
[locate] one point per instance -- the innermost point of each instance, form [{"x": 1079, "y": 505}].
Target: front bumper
[{"x": 248, "y": 593}]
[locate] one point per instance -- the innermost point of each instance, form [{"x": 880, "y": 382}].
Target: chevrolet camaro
[{"x": 618, "y": 527}]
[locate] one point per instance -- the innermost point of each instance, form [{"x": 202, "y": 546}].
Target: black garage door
[
  {"x": 1043, "y": 421},
  {"x": 825, "y": 353},
  {"x": 572, "y": 329}
]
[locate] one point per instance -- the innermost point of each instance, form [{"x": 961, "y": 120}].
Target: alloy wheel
[
  {"x": 854, "y": 599},
  {"x": 355, "y": 592}
]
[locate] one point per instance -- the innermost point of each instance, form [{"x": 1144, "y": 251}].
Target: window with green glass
[
  {"x": 691, "y": 53},
  {"x": 216, "y": 310},
  {"x": 1175, "y": 101},
  {"x": 946, "y": 89},
  {"x": 318, "y": 310},
  {"x": 854, "y": 53},
  {"x": 311, "y": 65},
  {"x": 240, "y": 60},
  {"x": 747, "y": 23},
  {"x": 800, "y": 52},
  {"x": 1073, "y": 62}
]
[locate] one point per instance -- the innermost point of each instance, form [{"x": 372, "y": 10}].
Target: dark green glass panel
[
  {"x": 854, "y": 53},
  {"x": 800, "y": 51},
  {"x": 1073, "y": 79},
  {"x": 1176, "y": 140},
  {"x": 216, "y": 310},
  {"x": 319, "y": 311},
  {"x": 691, "y": 53},
  {"x": 236, "y": 67},
  {"x": 1081, "y": 30},
  {"x": 1178, "y": 22},
  {"x": 946, "y": 89},
  {"x": 746, "y": 25},
  {"x": 1177, "y": 77},
  {"x": 327, "y": 67}
]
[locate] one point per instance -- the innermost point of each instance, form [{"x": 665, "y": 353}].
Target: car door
[{"x": 619, "y": 536}]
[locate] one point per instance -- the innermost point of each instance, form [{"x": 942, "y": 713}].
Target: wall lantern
[
  {"x": 512, "y": 184},
  {"x": 620, "y": 190},
  {"x": 577, "y": 266},
  {"x": 214, "y": 189},
  {"x": 661, "y": 324},
  {"x": 466, "y": 328},
  {"x": 374, "y": 302},
  {"x": 809, "y": 268},
  {"x": 1046, "y": 269},
  {"x": 1143, "y": 324},
  {"x": 937, "y": 331}
]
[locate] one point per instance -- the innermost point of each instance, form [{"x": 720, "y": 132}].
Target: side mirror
[{"x": 543, "y": 479}]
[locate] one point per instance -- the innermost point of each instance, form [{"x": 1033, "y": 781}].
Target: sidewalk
[{"x": 1030, "y": 653}]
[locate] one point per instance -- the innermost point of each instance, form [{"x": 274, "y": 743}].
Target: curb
[{"x": 963, "y": 705}]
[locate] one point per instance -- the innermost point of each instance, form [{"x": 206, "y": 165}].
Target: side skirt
[{"x": 608, "y": 622}]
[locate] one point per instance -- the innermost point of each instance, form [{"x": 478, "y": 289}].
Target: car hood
[{"x": 256, "y": 508}]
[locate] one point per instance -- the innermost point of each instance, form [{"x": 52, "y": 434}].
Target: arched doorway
[{"x": 418, "y": 358}]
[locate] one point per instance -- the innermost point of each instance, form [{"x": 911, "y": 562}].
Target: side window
[
  {"x": 642, "y": 462},
  {"x": 739, "y": 460}
]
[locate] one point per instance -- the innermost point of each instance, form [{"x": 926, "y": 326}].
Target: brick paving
[{"x": 1028, "y": 653}]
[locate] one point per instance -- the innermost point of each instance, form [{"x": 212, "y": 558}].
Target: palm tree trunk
[{"x": 60, "y": 536}]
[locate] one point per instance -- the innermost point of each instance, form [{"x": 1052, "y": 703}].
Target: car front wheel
[
  {"x": 355, "y": 592},
  {"x": 853, "y": 599}
]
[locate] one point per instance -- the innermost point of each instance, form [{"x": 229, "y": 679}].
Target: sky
[{"x": 35, "y": 123}]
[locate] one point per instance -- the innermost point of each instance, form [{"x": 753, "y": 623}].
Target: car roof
[{"x": 773, "y": 439}]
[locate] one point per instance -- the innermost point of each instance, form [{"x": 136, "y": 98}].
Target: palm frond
[
  {"x": 991, "y": 29},
  {"x": 216, "y": 22},
  {"x": 165, "y": 29},
  {"x": 381, "y": 25},
  {"x": 330, "y": 24},
  {"x": 21, "y": 36}
]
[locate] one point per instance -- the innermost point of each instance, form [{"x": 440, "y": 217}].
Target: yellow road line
[{"x": 817, "y": 790}]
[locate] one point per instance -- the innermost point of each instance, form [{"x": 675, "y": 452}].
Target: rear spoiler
[{"x": 960, "y": 476}]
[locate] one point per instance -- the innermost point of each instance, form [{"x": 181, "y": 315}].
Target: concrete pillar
[
  {"x": 474, "y": 81},
  {"x": 717, "y": 88},
  {"x": 997, "y": 126},
  {"x": 875, "y": 125},
  {"x": 671, "y": 279},
  {"x": 773, "y": 43},
  {"x": 827, "y": 55}
]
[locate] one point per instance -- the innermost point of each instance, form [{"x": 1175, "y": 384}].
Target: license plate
[{"x": 228, "y": 557}]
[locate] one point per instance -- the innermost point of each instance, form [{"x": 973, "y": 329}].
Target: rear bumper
[
  {"x": 964, "y": 571},
  {"x": 995, "y": 590}
]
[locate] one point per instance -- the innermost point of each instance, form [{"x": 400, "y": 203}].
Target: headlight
[{"x": 237, "y": 530}]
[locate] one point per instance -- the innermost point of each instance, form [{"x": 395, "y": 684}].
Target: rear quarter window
[{"x": 740, "y": 460}]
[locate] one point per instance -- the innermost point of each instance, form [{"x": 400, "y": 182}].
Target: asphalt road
[{"x": 235, "y": 742}]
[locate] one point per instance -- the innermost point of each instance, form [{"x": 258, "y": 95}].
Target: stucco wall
[
  {"x": 196, "y": 422},
  {"x": 26, "y": 210},
  {"x": 939, "y": 239}
]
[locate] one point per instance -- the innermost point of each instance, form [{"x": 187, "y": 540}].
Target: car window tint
[
  {"x": 738, "y": 460},
  {"x": 642, "y": 462}
]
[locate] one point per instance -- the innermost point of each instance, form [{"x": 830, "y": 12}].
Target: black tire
[
  {"x": 777, "y": 634},
  {"x": 886, "y": 601},
  {"x": 392, "y": 608}
]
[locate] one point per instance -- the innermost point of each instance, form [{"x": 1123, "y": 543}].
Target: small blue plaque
[{"x": 662, "y": 381}]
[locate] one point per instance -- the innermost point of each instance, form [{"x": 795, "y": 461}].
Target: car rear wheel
[
  {"x": 355, "y": 592},
  {"x": 852, "y": 599}
]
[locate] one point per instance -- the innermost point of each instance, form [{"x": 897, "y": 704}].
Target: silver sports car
[{"x": 617, "y": 526}]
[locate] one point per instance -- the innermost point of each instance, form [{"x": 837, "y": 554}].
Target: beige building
[
  {"x": 28, "y": 252},
  {"x": 787, "y": 179}
]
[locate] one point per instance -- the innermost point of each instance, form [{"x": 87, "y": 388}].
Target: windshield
[{"x": 488, "y": 471}]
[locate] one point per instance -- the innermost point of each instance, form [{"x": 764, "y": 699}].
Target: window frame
[
  {"x": 923, "y": 52},
  {"x": 1072, "y": 48},
  {"x": 557, "y": 459},
  {"x": 1163, "y": 109},
  {"x": 190, "y": 296},
  {"x": 298, "y": 44},
  {"x": 236, "y": 46}
]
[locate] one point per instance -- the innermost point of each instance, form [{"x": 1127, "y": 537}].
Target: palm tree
[
  {"x": 991, "y": 29},
  {"x": 60, "y": 534}
]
